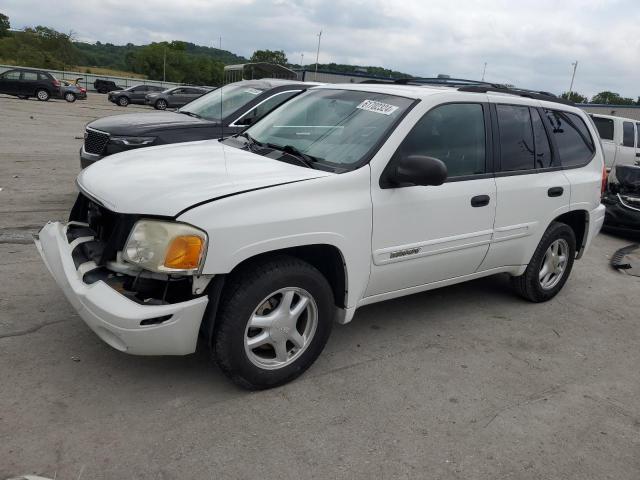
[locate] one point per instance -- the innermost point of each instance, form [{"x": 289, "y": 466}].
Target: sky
[{"x": 531, "y": 44}]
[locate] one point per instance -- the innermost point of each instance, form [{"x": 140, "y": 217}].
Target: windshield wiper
[
  {"x": 306, "y": 160},
  {"x": 191, "y": 114},
  {"x": 251, "y": 142}
]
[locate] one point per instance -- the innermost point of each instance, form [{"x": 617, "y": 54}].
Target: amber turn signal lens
[{"x": 184, "y": 252}]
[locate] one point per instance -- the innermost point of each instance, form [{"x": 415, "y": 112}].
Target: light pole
[
  {"x": 575, "y": 67},
  {"x": 317, "y": 56},
  {"x": 301, "y": 59},
  {"x": 164, "y": 64},
  {"x": 484, "y": 70}
]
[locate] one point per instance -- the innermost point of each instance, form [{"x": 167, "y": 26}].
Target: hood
[
  {"x": 142, "y": 123},
  {"x": 167, "y": 179}
]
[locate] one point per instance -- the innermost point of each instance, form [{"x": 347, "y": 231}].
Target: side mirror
[{"x": 414, "y": 170}]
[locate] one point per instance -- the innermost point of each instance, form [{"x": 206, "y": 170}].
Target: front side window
[
  {"x": 11, "y": 75},
  {"x": 453, "y": 133},
  {"x": 628, "y": 134},
  {"x": 517, "y": 150},
  {"x": 223, "y": 102},
  {"x": 336, "y": 127},
  {"x": 605, "y": 127},
  {"x": 574, "y": 142},
  {"x": 265, "y": 107}
]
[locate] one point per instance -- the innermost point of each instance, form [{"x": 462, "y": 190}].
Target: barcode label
[{"x": 377, "y": 107}]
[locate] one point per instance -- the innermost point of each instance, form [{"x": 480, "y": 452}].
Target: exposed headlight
[
  {"x": 132, "y": 141},
  {"x": 166, "y": 247}
]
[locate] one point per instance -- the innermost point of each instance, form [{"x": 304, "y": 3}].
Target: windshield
[
  {"x": 233, "y": 97},
  {"x": 334, "y": 126}
]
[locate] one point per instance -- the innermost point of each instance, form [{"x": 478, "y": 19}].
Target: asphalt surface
[{"x": 465, "y": 382}]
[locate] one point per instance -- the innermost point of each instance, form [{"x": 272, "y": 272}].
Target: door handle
[
  {"x": 555, "y": 191},
  {"x": 480, "y": 201}
]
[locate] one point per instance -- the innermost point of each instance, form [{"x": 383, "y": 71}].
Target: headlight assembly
[
  {"x": 166, "y": 247},
  {"x": 132, "y": 141}
]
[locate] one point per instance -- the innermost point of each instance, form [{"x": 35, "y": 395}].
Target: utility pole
[
  {"x": 301, "y": 59},
  {"x": 164, "y": 65},
  {"x": 220, "y": 42},
  {"x": 484, "y": 70},
  {"x": 575, "y": 67},
  {"x": 318, "y": 55}
]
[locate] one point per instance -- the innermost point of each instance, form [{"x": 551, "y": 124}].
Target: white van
[
  {"x": 345, "y": 196},
  {"x": 620, "y": 139}
]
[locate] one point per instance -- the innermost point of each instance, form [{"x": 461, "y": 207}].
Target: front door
[
  {"x": 422, "y": 234},
  {"x": 9, "y": 82}
]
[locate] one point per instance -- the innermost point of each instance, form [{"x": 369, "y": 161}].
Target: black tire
[
  {"x": 70, "y": 97},
  {"x": 160, "y": 104},
  {"x": 243, "y": 294},
  {"x": 43, "y": 95},
  {"x": 122, "y": 101},
  {"x": 23, "y": 97},
  {"x": 528, "y": 285},
  {"x": 102, "y": 90}
]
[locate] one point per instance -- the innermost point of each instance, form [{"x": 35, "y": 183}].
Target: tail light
[
  {"x": 605, "y": 177},
  {"x": 83, "y": 90}
]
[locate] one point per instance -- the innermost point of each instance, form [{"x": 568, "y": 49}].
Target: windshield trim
[{"x": 367, "y": 157}]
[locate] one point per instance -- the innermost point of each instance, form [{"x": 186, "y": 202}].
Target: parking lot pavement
[{"x": 463, "y": 382}]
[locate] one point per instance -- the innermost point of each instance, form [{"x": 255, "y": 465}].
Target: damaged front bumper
[{"x": 125, "y": 324}]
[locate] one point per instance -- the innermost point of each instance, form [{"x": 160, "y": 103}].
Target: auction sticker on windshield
[
  {"x": 253, "y": 91},
  {"x": 377, "y": 107}
]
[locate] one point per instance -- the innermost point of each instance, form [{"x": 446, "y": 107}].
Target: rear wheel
[
  {"x": 161, "y": 104},
  {"x": 123, "y": 101},
  {"x": 42, "y": 95},
  {"x": 274, "y": 320},
  {"x": 70, "y": 97},
  {"x": 550, "y": 265}
]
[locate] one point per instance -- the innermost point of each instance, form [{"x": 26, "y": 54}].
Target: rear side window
[
  {"x": 628, "y": 134},
  {"x": 572, "y": 137},
  {"x": 544, "y": 157},
  {"x": 453, "y": 133},
  {"x": 30, "y": 76},
  {"x": 517, "y": 151},
  {"x": 605, "y": 127}
]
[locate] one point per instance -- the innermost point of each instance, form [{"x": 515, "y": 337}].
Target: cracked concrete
[{"x": 466, "y": 382}]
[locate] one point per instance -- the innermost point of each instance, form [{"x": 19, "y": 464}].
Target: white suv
[{"x": 343, "y": 197}]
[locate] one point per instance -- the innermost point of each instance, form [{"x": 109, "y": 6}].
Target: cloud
[{"x": 528, "y": 43}]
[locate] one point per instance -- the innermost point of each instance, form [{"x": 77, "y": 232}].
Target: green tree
[
  {"x": 4, "y": 25},
  {"x": 611, "y": 98},
  {"x": 575, "y": 97},
  {"x": 270, "y": 56}
]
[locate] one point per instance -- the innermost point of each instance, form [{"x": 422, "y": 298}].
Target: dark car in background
[
  {"x": 106, "y": 86},
  {"x": 225, "y": 111},
  {"x": 622, "y": 199},
  {"x": 174, "y": 97},
  {"x": 24, "y": 83},
  {"x": 135, "y": 94}
]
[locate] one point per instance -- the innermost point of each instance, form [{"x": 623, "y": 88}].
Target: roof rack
[
  {"x": 521, "y": 92},
  {"x": 446, "y": 81}
]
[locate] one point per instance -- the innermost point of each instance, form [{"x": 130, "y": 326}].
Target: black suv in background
[
  {"x": 135, "y": 94},
  {"x": 24, "y": 83},
  {"x": 225, "y": 111},
  {"x": 106, "y": 86}
]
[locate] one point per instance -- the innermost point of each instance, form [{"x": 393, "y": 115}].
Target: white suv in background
[
  {"x": 343, "y": 197},
  {"x": 620, "y": 139}
]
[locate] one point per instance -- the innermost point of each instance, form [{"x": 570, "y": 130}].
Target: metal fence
[{"x": 87, "y": 79}]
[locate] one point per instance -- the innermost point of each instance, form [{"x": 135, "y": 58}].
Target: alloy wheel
[{"x": 554, "y": 264}]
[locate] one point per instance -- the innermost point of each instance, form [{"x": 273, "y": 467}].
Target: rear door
[
  {"x": 606, "y": 130},
  {"x": 29, "y": 83},
  {"x": 9, "y": 82},
  {"x": 531, "y": 186}
]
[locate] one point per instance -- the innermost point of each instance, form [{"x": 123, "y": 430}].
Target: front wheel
[
  {"x": 42, "y": 95},
  {"x": 161, "y": 104},
  {"x": 274, "y": 320},
  {"x": 70, "y": 97},
  {"x": 123, "y": 101},
  {"x": 550, "y": 265}
]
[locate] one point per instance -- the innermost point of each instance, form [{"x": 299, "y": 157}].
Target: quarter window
[
  {"x": 627, "y": 134},
  {"x": 517, "y": 151},
  {"x": 605, "y": 127},
  {"x": 572, "y": 137},
  {"x": 453, "y": 133}
]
